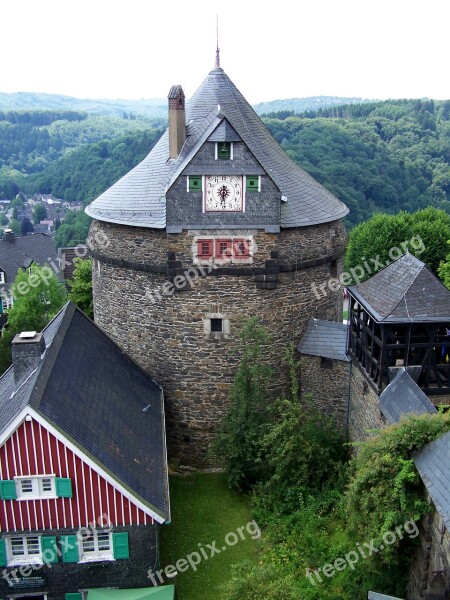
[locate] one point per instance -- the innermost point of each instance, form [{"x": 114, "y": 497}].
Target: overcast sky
[{"x": 139, "y": 48}]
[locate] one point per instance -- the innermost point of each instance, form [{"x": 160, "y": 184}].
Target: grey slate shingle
[
  {"x": 94, "y": 394},
  {"x": 38, "y": 248},
  {"x": 433, "y": 464},
  {"x": 376, "y": 596},
  {"x": 404, "y": 291},
  {"x": 138, "y": 199},
  {"x": 403, "y": 396},
  {"x": 325, "y": 338}
]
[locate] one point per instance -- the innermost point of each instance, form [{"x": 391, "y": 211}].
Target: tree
[
  {"x": 385, "y": 237},
  {"x": 237, "y": 443},
  {"x": 3, "y": 218},
  {"x": 39, "y": 213},
  {"x": 81, "y": 286},
  {"x": 26, "y": 226},
  {"x": 14, "y": 225},
  {"x": 37, "y": 298},
  {"x": 444, "y": 271}
]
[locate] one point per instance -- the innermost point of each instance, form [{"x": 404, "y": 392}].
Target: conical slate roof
[
  {"x": 139, "y": 198},
  {"x": 404, "y": 291}
]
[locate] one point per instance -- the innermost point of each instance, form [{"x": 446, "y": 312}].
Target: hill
[{"x": 298, "y": 105}]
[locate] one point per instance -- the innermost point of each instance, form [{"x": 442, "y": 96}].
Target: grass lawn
[{"x": 204, "y": 510}]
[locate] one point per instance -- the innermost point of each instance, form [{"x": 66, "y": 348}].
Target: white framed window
[
  {"x": 24, "y": 549},
  {"x": 95, "y": 545},
  {"x": 28, "y": 488},
  {"x": 2, "y": 277}
]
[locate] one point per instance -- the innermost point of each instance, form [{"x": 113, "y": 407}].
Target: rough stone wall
[
  {"x": 328, "y": 382},
  {"x": 166, "y": 334},
  {"x": 364, "y": 411},
  {"x": 430, "y": 565},
  {"x": 61, "y": 578}
]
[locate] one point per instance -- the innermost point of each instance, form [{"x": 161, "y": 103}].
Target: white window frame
[
  {"x": 25, "y": 558},
  {"x": 2, "y": 277},
  {"x": 95, "y": 554},
  {"x": 37, "y": 490}
]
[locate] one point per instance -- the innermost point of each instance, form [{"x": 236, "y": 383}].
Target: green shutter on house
[
  {"x": 120, "y": 545},
  {"x": 63, "y": 487},
  {"x": 69, "y": 548},
  {"x": 195, "y": 183},
  {"x": 3, "y": 560},
  {"x": 48, "y": 548},
  {"x": 252, "y": 183},
  {"x": 74, "y": 596},
  {"x": 8, "y": 490}
]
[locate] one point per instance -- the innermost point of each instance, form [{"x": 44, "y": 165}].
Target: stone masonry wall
[
  {"x": 168, "y": 335},
  {"x": 329, "y": 385},
  {"x": 364, "y": 410}
]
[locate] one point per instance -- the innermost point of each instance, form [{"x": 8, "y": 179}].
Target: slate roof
[
  {"x": 376, "y": 596},
  {"x": 95, "y": 395},
  {"x": 404, "y": 291},
  {"x": 403, "y": 396},
  {"x": 139, "y": 198},
  {"x": 433, "y": 464},
  {"x": 325, "y": 338},
  {"x": 38, "y": 248}
]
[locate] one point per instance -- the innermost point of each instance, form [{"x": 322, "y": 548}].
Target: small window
[
  {"x": 224, "y": 150},
  {"x": 216, "y": 325},
  {"x": 2, "y": 277},
  {"x": 195, "y": 183},
  {"x": 205, "y": 248},
  {"x": 252, "y": 183},
  {"x": 35, "y": 487},
  {"x": 96, "y": 546},
  {"x": 241, "y": 248},
  {"x": 24, "y": 549},
  {"x": 223, "y": 248},
  {"x": 326, "y": 363}
]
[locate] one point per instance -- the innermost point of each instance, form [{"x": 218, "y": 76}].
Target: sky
[{"x": 271, "y": 50}]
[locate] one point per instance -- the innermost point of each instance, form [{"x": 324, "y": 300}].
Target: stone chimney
[
  {"x": 177, "y": 120},
  {"x": 8, "y": 236},
  {"x": 27, "y": 349}
]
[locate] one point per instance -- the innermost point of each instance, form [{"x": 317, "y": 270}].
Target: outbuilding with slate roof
[
  {"x": 216, "y": 224},
  {"x": 83, "y": 466}
]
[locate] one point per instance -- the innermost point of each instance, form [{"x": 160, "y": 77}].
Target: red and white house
[{"x": 83, "y": 468}]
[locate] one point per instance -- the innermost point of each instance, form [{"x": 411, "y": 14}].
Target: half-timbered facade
[{"x": 83, "y": 472}]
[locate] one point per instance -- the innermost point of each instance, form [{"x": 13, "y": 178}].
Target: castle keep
[{"x": 215, "y": 225}]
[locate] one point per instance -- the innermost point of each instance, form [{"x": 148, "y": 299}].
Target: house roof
[
  {"x": 403, "y": 396},
  {"x": 100, "y": 401},
  {"x": 139, "y": 198},
  {"x": 376, "y": 596},
  {"x": 433, "y": 464},
  {"x": 404, "y": 291},
  {"x": 325, "y": 338},
  {"x": 38, "y": 248}
]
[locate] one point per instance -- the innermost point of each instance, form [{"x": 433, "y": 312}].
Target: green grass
[
  {"x": 204, "y": 510},
  {"x": 345, "y": 315}
]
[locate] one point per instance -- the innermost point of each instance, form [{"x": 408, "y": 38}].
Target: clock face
[{"x": 223, "y": 193}]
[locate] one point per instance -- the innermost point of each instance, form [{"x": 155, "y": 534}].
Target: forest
[{"x": 376, "y": 157}]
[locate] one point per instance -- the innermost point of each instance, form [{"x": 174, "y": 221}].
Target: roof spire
[{"x": 217, "y": 47}]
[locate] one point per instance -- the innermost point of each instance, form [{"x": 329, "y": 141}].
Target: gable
[{"x": 32, "y": 449}]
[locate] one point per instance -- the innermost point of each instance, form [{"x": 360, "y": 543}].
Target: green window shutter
[
  {"x": 48, "y": 548},
  {"x": 63, "y": 487},
  {"x": 74, "y": 596},
  {"x": 195, "y": 183},
  {"x": 120, "y": 545},
  {"x": 69, "y": 548},
  {"x": 252, "y": 183},
  {"x": 8, "y": 490},
  {"x": 224, "y": 150},
  {"x": 3, "y": 560}
]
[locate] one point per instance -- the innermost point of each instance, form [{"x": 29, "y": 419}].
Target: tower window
[
  {"x": 194, "y": 183},
  {"x": 223, "y": 248},
  {"x": 241, "y": 248},
  {"x": 205, "y": 248},
  {"x": 224, "y": 150},
  {"x": 216, "y": 325},
  {"x": 252, "y": 183}
]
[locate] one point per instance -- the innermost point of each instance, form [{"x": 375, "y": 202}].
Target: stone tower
[{"x": 216, "y": 224}]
